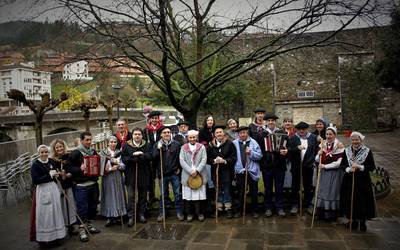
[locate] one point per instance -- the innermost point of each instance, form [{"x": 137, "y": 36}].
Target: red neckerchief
[
  {"x": 120, "y": 138},
  {"x": 152, "y": 129}
]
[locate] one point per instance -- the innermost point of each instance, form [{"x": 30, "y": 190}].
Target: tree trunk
[
  {"x": 191, "y": 117},
  {"x": 38, "y": 131},
  {"x": 110, "y": 120},
  {"x": 86, "y": 115}
]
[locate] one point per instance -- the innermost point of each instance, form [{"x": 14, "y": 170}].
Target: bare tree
[
  {"x": 109, "y": 103},
  {"x": 39, "y": 109},
  {"x": 85, "y": 106},
  {"x": 188, "y": 50}
]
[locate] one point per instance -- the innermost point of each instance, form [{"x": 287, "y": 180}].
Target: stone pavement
[{"x": 272, "y": 233}]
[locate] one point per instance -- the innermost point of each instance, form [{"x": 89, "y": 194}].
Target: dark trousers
[
  {"x": 253, "y": 190},
  {"x": 193, "y": 207},
  {"x": 141, "y": 201},
  {"x": 273, "y": 177},
  {"x": 152, "y": 178},
  {"x": 307, "y": 186},
  {"x": 87, "y": 198}
]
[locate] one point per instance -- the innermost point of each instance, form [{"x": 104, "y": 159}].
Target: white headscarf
[
  {"x": 333, "y": 129},
  {"x": 42, "y": 146},
  {"x": 358, "y": 134},
  {"x": 193, "y": 132}
]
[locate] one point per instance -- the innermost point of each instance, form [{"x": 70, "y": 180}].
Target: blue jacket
[{"x": 253, "y": 165}]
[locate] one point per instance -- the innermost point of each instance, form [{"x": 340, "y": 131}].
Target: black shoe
[
  {"x": 83, "y": 237},
  {"x": 363, "y": 226},
  {"x": 237, "y": 215},
  {"x": 229, "y": 214},
  {"x": 268, "y": 213},
  {"x": 109, "y": 223},
  {"x": 142, "y": 219},
  {"x": 354, "y": 225}
]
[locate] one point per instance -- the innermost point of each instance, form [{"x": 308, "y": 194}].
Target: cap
[
  {"x": 270, "y": 116},
  {"x": 242, "y": 128},
  {"x": 302, "y": 125},
  {"x": 154, "y": 113},
  {"x": 259, "y": 109}
]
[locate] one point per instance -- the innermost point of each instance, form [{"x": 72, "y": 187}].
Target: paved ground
[{"x": 274, "y": 233}]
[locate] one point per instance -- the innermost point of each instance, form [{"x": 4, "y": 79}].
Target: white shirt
[{"x": 304, "y": 143}]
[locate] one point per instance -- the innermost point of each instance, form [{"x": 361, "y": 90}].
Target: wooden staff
[
  {"x": 317, "y": 187},
  {"x": 77, "y": 215},
  {"x": 162, "y": 187},
  {"x": 352, "y": 201},
  {"x": 136, "y": 194},
  {"x": 66, "y": 201},
  {"x": 245, "y": 185},
  {"x": 216, "y": 193}
]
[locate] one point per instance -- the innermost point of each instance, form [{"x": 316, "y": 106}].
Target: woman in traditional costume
[
  {"x": 59, "y": 155},
  {"x": 193, "y": 159},
  {"x": 330, "y": 176},
  {"x": 47, "y": 217},
  {"x": 358, "y": 161},
  {"x": 112, "y": 188}
]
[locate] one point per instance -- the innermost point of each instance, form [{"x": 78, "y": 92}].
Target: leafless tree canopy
[{"x": 188, "y": 49}]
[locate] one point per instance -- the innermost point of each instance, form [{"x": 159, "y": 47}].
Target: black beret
[
  {"x": 163, "y": 128},
  {"x": 270, "y": 116},
  {"x": 219, "y": 126},
  {"x": 302, "y": 125},
  {"x": 154, "y": 113},
  {"x": 259, "y": 109},
  {"x": 242, "y": 128},
  {"x": 182, "y": 122}
]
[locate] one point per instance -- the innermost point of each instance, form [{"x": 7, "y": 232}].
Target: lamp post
[
  {"x": 116, "y": 88},
  {"x": 274, "y": 86}
]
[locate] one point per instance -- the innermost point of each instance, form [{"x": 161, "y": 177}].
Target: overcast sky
[{"x": 11, "y": 10}]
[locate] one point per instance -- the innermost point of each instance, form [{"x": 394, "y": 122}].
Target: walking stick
[
  {"x": 135, "y": 192},
  {"x": 245, "y": 186},
  {"x": 77, "y": 215},
  {"x": 301, "y": 189},
  {"x": 317, "y": 187},
  {"x": 66, "y": 202},
  {"x": 352, "y": 200},
  {"x": 162, "y": 187},
  {"x": 216, "y": 193}
]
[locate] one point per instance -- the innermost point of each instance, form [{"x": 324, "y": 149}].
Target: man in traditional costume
[
  {"x": 302, "y": 151},
  {"x": 182, "y": 135},
  {"x": 86, "y": 188},
  {"x": 166, "y": 152},
  {"x": 248, "y": 156},
  {"x": 123, "y": 135},
  {"x": 136, "y": 156},
  {"x": 273, "y": 164},
  {"x": 257, "y": 126},
  {"x": 222, "y": 153}
]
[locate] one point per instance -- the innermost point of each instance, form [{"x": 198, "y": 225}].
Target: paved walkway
[{"x": 273, "y": 233}]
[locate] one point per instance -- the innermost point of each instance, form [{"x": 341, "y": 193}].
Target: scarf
[
  {"x": 141, "y": 144},
  {"x": 303, "y": 137},
  {"x": 85, "y": 151},
  {"x": 359, "y": 158},
  {"x": 193, "y": 154},
  {"x": 332, "y": 152},
  {"x": 153, "y": 129},
  {"x": 121, "y": 138}
]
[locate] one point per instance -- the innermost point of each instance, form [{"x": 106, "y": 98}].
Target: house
[{"x": 78, "y": 70}]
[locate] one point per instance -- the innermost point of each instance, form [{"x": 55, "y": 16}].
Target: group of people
[{"x": 213, "y": 163}]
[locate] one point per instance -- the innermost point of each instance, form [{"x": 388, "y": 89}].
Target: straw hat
[{"x": 195, "y": 182}]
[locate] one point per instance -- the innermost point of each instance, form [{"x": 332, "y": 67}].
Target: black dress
[{"x": 363, "y": 200}]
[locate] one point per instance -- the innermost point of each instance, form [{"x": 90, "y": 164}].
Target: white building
[{"x": 78, "y": 70}]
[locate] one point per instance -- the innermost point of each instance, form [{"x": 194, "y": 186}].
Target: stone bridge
[{"x": 22, "y": 126}]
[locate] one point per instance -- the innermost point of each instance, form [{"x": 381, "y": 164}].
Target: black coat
[
  {"x": 67, "y": 183},
  {"x": 295, "y": 153},
  {"x": 170, "y": 158},
  {"x": 273, "y": 159},
  {"x": 226, "y": 151},
  {"x": 40, "y": 172},
  {"x": 74, "y": 167},
  {"x": 142, "y": 161},
  {"x": 148, "y": 136},
  {"x": 181, "y": 139},
  {"x": 205, "y": 136},
  {"x": 256, "y": 132},
  {"x": 363, "y": 200}
]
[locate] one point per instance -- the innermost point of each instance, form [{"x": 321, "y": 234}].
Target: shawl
[
  {"x": 120, "y": 138},
  {"x": 193, "y": 154},
  {"x": 360, "y": 156},
  {"x": 85, "y": 151},
  {"x": 153, "y": 129},
  {"x": 333, "y": 152}
]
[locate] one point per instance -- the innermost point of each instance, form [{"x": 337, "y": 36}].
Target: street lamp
[
  {"x": 274, "y": 86},
  {"x": 116, "y": 88}
]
